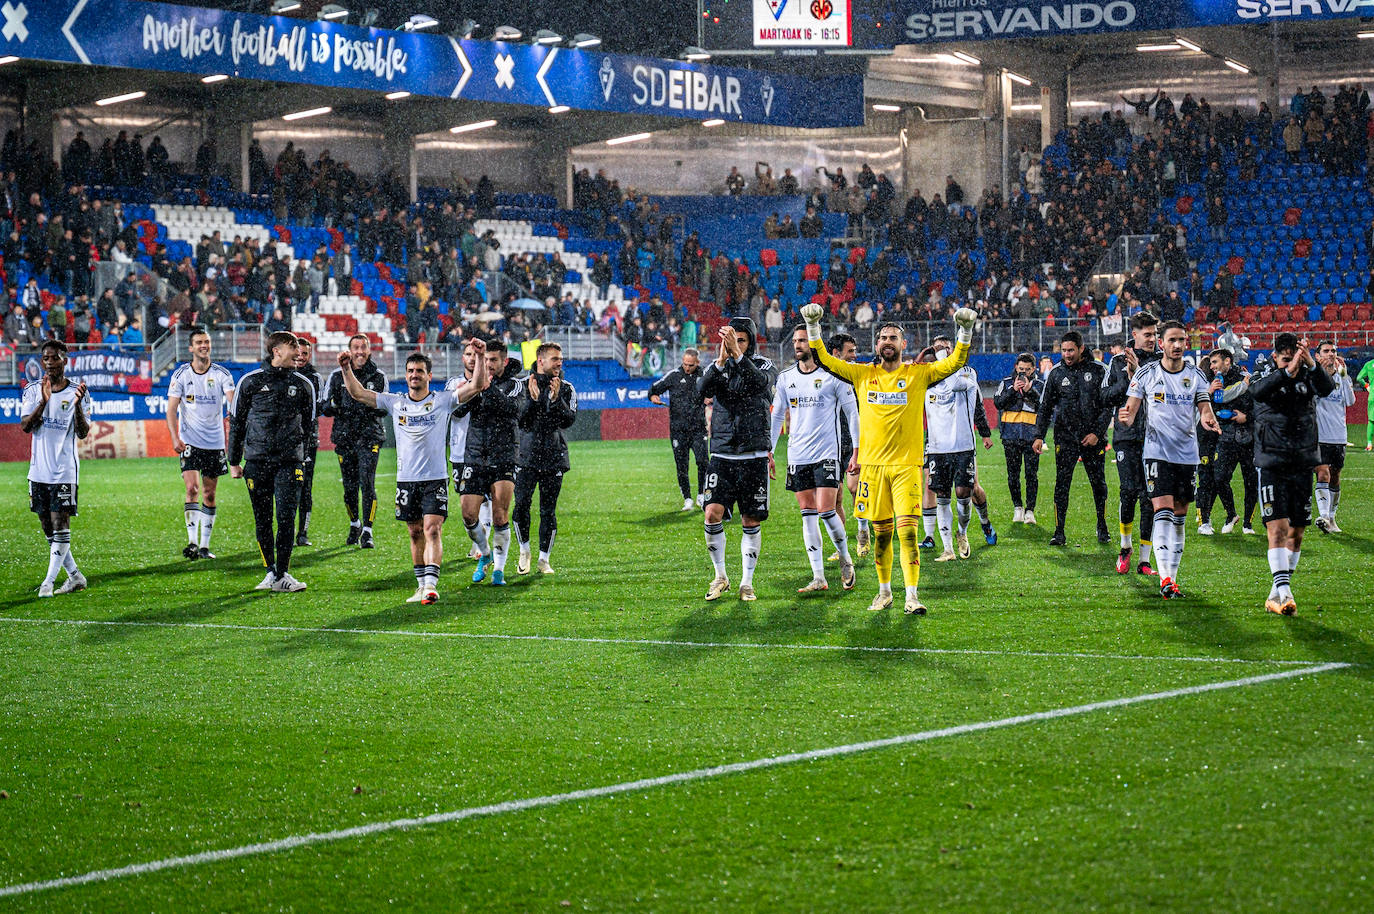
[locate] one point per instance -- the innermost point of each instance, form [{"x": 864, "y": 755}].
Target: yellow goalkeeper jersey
[{"x": 892, "y": 403}]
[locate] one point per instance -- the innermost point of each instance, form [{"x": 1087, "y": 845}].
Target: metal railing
[
  {"x": 237, "y": 343},
  {"x": 577, "y": 344},
  {"x": 133, "y": 297},
  {"x": 999, "y": 335}
]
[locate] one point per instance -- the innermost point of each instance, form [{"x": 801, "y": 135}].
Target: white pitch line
[
  {"x": 643, "y": 642},
  {"x": 699, "y": 774}
]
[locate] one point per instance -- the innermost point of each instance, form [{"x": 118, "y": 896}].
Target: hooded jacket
[
  {"x": 1073, "y": 402},
  {"x": 742, "y": 390},
  {"x": 1115, "y": 385},
  {"x": 493, "y": 437},
  {"x": 355, "y": 424},
  {"x": 1242, "y": 434},
  {"x": 543, "y": 445},
  {"x": 272, "y": 413},
  {"x": 1286, "y": 416}
]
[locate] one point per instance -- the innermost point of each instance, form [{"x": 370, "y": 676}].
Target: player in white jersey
[
  {"x": 55, "y": 412},
  {"x": 420, "y": 420},
  {"x": 199, "y": 396},
  {"x": 954, "y": 412},
  {"x": 817, "y": 403},
  {"x": 1177, "y": 395},
  {"x": 458, "y": 439},
  {"x": 1331, "y": 436}
]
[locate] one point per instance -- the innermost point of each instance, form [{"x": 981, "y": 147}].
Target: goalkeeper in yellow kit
[{"x": 891, "y": 398}]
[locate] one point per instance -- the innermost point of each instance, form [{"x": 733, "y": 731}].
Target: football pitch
[{"x": 1051, "y": 737}]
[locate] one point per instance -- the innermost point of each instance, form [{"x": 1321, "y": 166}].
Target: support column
[
  {"x": 1054, "y": 111},
  {"x": 400, "y": 149},
  {"x": 231, "y": 139},
  {"x": 996, "y": 144},
  {"x": 39, "y": 110}
]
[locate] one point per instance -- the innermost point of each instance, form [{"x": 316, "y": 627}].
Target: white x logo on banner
[
  {"x": 504, "y": 65},
  {"x": 14, "y": 22}
]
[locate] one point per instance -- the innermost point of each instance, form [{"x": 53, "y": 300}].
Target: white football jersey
[
  {"x": 817, "y": 403},
  {"x": 1331, "y": 411},
  {"x": 458, "y": 426},
  {"x": 949, "y": 413},
  {"x": 421, "y": 431},
  {"x": 1171, "y": 422},
  {"x": 52, "y": 453},
  {"x": 204, "y": 401}
]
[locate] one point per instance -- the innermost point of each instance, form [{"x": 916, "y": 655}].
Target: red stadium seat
[
  {"x": 1331, "y": 313},
  {"x": 1362, "y": 312},
  {"x": 811, "y": 271},
  {"x": 1249, "y": 314},
  {"x": 1266, "y": 315},
  {"x": 1347, "y": 313},
  {"x": 857, "y": 254},
  {"x": 768, "y": 257}
]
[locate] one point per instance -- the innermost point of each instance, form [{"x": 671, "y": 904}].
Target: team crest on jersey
[
  {"x": 428, "y": 407},
  {"x": 818, "y": 383},
  {"x": 291, "y": 391},
  {"x": 66, "y": 404},
  {"x": 901, "y": 384},
  {"x": 1187, "y": 383},
  {"x": 209, "y": 382}
]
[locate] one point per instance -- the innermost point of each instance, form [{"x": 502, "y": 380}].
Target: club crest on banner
[{"x": 607, "y": 76}]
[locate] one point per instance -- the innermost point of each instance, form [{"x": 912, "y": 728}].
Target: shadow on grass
[
  {"x": 666, "y": 518},
  {"x": 1332, "y": 644}
]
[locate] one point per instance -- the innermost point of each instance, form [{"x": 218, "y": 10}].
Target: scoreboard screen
[{"x": 802, "y": 23}]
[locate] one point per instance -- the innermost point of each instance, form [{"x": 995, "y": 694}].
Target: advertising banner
[
  {"x": 979, "y": 20},
  {"x": 101, "y": 369},
  {"x": 186, "y": 39}
]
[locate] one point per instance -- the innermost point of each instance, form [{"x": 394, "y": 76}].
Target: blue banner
[
  {"x": 101, "y": 369},
  {"x": 183, "y": 39},
  {"x": 980, "y": 20}
]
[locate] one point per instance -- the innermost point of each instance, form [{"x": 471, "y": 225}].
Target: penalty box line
[
  {"x": 645, "y": 642},
  {"x": 699, "y": 774}
]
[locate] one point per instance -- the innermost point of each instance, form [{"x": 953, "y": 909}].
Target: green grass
[{"x": 122, "y": 744}]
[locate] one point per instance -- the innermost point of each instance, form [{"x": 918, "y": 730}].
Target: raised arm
[
  {"x": 351, "y": 383},
  {"x": 80, "y": 420},
  {"x": 30, "y": 423},
  {"x": 964, "y": 319}
]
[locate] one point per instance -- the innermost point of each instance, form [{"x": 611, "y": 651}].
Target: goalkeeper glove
[
  {"x": 965, "y": 318},
  {"x": 812, "y": 315}
]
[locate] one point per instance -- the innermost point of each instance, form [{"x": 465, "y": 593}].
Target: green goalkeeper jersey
[{"x": 1365, "y": 378}]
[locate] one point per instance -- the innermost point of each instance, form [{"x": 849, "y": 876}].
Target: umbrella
[
  {"x": 528, "y": 304},
  {"x": 489, "y": 316}
]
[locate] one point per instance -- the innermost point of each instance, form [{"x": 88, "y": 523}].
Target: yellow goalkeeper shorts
[{"x": 888, "y": 491}]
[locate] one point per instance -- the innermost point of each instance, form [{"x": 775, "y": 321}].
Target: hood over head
[{"x": 747, "y": 325}]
